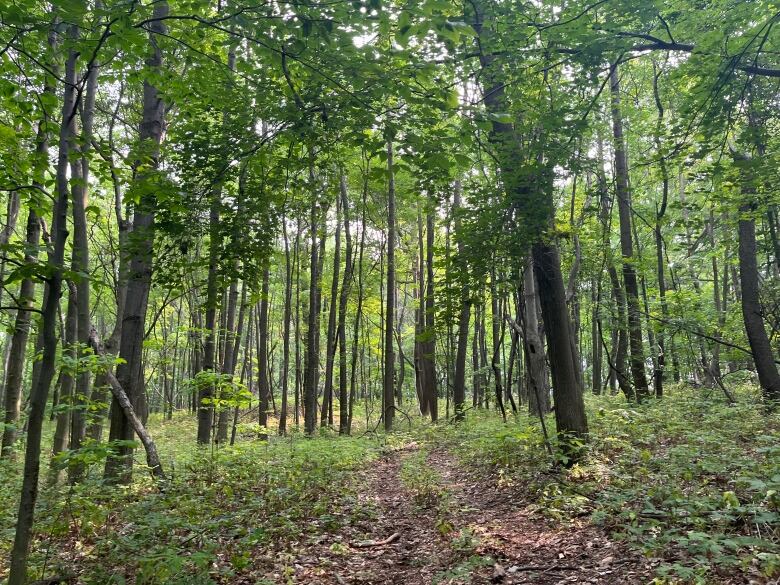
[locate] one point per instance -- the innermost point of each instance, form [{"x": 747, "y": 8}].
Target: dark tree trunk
[
  {"x": 626, "y": 244},
  {"x": 263, "y": 374},
  {"x": 51, "y": 299},
  {"x": 388, "y": 405},
  {"x": 140, "y": 243},
  {"x": 763, "y": 357},
  {"x": 569, "y": 406},
  {"x": 459, "y": 380},
  {"x": 326, "y": 413},
  {"x": 312, "y": 347},
  {"x": 430, "y": 391},
  {"x": 343, "y": 298}
]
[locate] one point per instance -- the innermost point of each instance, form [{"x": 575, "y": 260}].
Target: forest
[{"x": 406, "y": 292}]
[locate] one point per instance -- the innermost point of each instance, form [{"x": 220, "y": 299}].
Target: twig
[{"x": 371, "y": 543}]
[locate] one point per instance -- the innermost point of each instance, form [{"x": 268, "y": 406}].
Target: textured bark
[
  {"x": 312, "y": 346},
  {"x": 538, "y": 387},
  {"x": 388, "y": 405},
  {"x": 263, "y": 374},
  {"x": 763, "y": 357},
  {"x": 428, "y": 357},
  {"x": 140, "y": 243},
  {"x": 51, "y": 298},
  {"x": 626, "y": 244},
  {"x": 287, "y": 318},
  {"x": 569, "y": 407},
  {"x": 341, "y": 332},
  {"x": 459, "y": 379},
  {"x": 16, "y": 356},
  {"x": 326, "y": 413}
]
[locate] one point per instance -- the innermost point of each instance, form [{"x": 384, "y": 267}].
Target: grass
[
  {"x": 229, "y": 511},
  {"x": 687, "y": 479}
]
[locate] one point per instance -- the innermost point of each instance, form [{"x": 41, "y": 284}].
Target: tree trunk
[
  {"x": 763, "y": 357},
  {"x": 430, "y": 390},
  {"x": 388, "y": 405},
  {"x": 326, "y": 415},
  {"x": 459, "y": 380},
  {"x": 312, "y": 347},
  {"x": 343, "y": 298},
  {"x": 569, "y": 406},
  {"x": 263, "y": 374},
  {"x": 130, "y": 372},
  {"x": 51, "y": 299},
  {"x": 16, "y": 357},
  {"x": 538, "y": 391},
  {"x": 626, "y": 244}
]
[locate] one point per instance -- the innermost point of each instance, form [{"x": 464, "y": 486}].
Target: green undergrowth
[
  {"x": 225, "y": 512},
  {"x": 687, "y": 479}
]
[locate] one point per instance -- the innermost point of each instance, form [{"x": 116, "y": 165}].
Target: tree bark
[
  {"x": 140, "y": 243},
  {"x": 388, "y": 405},
  {"x": 343, "y": 298},
  {"x": 263, "y": 374},
  {"x": 326, "y": 414},
  {"x": 51, "y": 299},
  {"x": 626, "y": 244}
]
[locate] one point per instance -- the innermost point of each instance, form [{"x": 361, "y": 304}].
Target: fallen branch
[
  {"x": 372, "y": 543},
  {"x": 152, "y": 458}
]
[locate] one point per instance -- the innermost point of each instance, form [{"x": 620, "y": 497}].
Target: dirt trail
[{"x": 477, "y": 532}]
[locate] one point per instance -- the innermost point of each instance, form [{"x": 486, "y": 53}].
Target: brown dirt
[{"x": 487, "y": 533}]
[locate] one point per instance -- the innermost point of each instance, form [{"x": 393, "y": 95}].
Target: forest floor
[
  {"x": 448, "y": 523},
  {"x": 683, "y": 490}
]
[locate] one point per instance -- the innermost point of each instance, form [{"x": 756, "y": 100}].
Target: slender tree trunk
[
  {"x": 595, "y": 336},
  {"x": 228, "y": 360},
  {"x": 388, "y": 405},
  {"x": 497, "y": 337},
  {"x": 359, "y": 308},
  {"x": 51, "y": 299},
  {"x": 16, "y": 357},
  {"x": 626, "y": 244},
  {"x": 326, "y": 415},
  {"x": 459, "y": 381},
  {"x": 343, "y": 298},
  {"x": 430, "y": 390},
  {"x": 263, "y": 373},
  {"x": 312, "y": 347}
]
